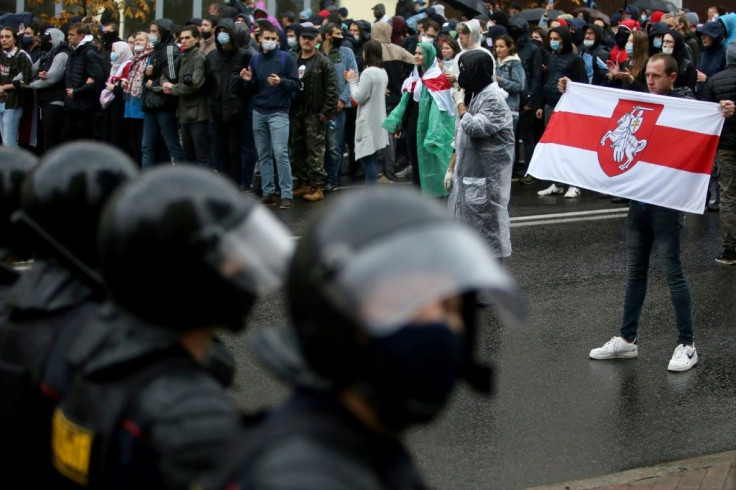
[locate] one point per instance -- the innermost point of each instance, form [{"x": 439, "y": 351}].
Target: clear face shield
[
  {"x": 383, "y": 285},
  {"x": 254, "y": 254}
]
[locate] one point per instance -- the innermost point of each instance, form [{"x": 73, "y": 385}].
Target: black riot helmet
[
  {"x": 362, "y": 271},
  {"x": 182, "y": 248},
  {"x": 63, "y": 197},
  {"x": 15, "y": 164}
]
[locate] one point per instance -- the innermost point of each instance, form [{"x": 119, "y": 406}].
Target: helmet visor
[
  {"x": 255, "y": 253},
  {"x": 384, "y": 284}
]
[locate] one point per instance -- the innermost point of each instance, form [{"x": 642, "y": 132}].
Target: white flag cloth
[{"x": 645, "y": 147}]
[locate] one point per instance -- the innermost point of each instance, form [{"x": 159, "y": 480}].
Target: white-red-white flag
[{"x": 645, "y": 147}]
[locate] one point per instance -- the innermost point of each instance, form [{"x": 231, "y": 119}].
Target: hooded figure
[
  {"x": 50, "y": 90},
  {"x": 396, "y": 61},
  {"x": 729, "y": 25},
  {"x": 686, "y": 74},
  {"x": 436, "y": 121},
  {"x": 484, "y": 149},
  {"x": 713, "y": 57}
]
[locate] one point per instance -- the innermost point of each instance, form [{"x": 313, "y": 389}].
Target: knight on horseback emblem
[{"x": 622, "y": 145}]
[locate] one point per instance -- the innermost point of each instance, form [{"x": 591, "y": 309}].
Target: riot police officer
[
  {"x": 49, "y": 305},
  {"x": 182, "y": 253},
  {"x": 17, "y": 162},
  {"x": 382, "y": 293}
]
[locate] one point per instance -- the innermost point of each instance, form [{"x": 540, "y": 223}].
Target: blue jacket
[
  {"x": 343, "y": 60},
  {"x": 267, "y": 99}
]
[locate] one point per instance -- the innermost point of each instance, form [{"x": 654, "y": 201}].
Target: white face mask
[
  {"x": 427, "y": 39},
  {"x": 667, "y": 50},
  {"x": 269, "y": 46},
  {"x": 292, "y": 41},
  {"x": 489, "y": 42},
  {"x": 588, "y": 42}
]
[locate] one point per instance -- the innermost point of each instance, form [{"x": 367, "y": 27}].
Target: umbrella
[
  {"x": 594, "y": 14},
  {"x": 533, "y": 15},
  {"x": 661, "y": 5},
  {"x": 475, "y": 5},
  {"x": 16, "y": 20}
]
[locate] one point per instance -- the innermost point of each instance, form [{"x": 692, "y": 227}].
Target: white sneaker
[
  {"x": 684, "y": 357},
  {"x": 572, "y": 192},
  {"x": 616, "y": 348},
  {"x": 553, "y": 189}
]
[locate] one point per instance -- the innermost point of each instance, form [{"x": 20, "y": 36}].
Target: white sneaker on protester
[
  {"x": 684, "y": 357},
  {"x": 553, "y": 189},
  {"x": 572, "y": 192},
  {"x": 616, "y": 348}
]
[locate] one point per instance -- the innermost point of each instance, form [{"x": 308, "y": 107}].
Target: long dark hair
[{"x": 373, "y": 53}]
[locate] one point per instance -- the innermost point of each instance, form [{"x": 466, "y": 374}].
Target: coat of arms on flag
[{"x": 646, "y": 147}]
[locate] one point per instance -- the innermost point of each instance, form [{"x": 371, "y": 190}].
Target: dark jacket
[
  {"x": 83, "y": 63},
  {"x": 713, "y": 58},
  {"x": 563, "y": 64},
  {"x": 165, "y": 63},
  {"x": 167, "y": 418},
  {"x": 531, "y": 56},
  {"x": 43, "y": 314},
  {"x": 320, "y": 90},
  {"x": 687, "y": 76},
  {"x": 722, "y": 86},
  {"x": 54, "y": 64},
  {"x": 267, "y": 99},
  {"x": 228, "y": 97},
  {"x": 11, "y": 67},
  {"x": 597, "y": 51},
  {"x": 193, "y": 105}
]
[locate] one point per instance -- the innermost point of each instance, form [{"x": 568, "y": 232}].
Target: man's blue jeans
[
  {"x": 335, "y": 147},
  {"x": 369, "y": 168},
  {"x": 165, "y": 124},
  {"x": 271, "y": 135},
  {"x": 648, "y": 226},
  {"x": 10, "y": 124}
]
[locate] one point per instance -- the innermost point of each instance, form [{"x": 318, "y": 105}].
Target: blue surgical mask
[
  {"x": 269, "y": 46},
  {"x": 223, "y": 37},
  {"x": 657, "y": 42},
  {"x": 292, "y": 41},
  {"x": 138, "y": 48},
  {"x": 630, "y": 48},
  {"x": 114, "y": 57},
  {"x": 554, "y": 45},
  {"x": 588, "y": 42},
  {"x": 153, "y": 39}
]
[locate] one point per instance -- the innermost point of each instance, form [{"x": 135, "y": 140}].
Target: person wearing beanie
[{"x": 656, "y": 16}]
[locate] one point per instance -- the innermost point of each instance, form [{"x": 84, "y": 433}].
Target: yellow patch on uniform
[{"x": 71, "y": 446}]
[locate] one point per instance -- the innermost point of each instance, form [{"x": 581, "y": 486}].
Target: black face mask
[{"x": 414, "y": 374}]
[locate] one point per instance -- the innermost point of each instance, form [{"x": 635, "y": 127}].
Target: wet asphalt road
[{"x": 556, "y": 414}]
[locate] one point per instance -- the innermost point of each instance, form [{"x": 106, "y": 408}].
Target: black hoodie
[
  {"x": 532, "y": 58},
  {"x": 165, "y": 63},
  {"x": 564, "y": 63},
  {"x": 228, "y": 96}
]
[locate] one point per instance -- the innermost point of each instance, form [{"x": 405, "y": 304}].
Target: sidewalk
[{"x": 713, "y": 471}]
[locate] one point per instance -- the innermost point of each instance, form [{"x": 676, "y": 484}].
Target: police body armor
[{"x": 88, "y": 422}]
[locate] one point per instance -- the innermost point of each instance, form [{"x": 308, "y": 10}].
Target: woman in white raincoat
[{"x": 484, "y": 151}]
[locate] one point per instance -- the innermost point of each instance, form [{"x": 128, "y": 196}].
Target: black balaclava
[{"x": 476, "y": 72}]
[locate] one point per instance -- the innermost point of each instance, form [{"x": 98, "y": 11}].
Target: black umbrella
[
  {"x": 533, "y": 15},
  {"x": 661, "y": 5},
  {"x": 16, "y": 20},
  {"x": 594, "y": 14},
  {"x": 476, "y": 6}
]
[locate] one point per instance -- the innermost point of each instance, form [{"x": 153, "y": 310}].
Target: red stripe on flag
[
  {"x": 669, "y": 147},
  {"x": 438, "y": 83}
]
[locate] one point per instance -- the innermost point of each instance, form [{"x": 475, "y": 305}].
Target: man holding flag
[{"x": 632, "y": 143}]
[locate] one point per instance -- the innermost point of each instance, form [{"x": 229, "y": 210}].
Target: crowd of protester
[{"x": 237, "y": 91}]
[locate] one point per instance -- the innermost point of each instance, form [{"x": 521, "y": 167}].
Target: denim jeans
[
  {"x": 164, "y": 124},
  {"x": 271, "y": 135},
  {"x": 248, "y": 153},
  {"x": 369, "y": 168},
  {"x": 335, "y": 147},
  {"x": 10, "y": 124},
  {"x": 648, "y": 226}
]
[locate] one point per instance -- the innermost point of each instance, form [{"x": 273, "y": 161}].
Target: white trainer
[
  {"x": 684, "y": 357},
  {"x": 616, "y": 348},
  {"x": 553, "y": 189},
  {"x": 572, "y": 192}
]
